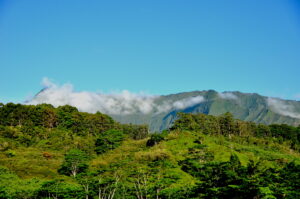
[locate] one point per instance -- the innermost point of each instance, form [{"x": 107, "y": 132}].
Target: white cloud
[
  {"x": 280, "y": 107},
  {"x": 228, "y": 95},
  {"x": 120, "y": 103},
  {"x": 187, "y": 102},
  {"x": 46, "y": 82},
  {"x": 114, "y": 103},
  {"x": 164, "y": 107}
]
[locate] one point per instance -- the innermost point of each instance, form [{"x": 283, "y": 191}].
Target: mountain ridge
[{"x": 159, "y": 112}]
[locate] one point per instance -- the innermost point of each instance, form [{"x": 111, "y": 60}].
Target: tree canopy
[{"x": 48, "y": 152}]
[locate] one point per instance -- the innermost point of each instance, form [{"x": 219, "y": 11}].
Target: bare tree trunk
[
  {"x": 109, "y": 191},
  {"x": 99, "y": 193},
  {"x": 86, "y": 191}
]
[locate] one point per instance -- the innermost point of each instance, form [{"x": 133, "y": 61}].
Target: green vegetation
[
  {"x": 108, "y": 140},
  {"x": 75, "y": 162},
  {"x": 48, "y": 152}
]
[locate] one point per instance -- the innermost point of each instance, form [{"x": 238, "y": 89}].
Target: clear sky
[{"x": 156, "y": 46}]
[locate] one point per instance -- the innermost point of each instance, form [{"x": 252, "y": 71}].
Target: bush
[{"x": 155, "y": 139}]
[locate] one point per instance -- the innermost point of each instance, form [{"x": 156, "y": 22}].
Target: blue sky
[{"x": 158, "y": 47}]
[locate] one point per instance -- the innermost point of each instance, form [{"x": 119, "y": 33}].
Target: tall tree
[{"x": 75, "y": 162}]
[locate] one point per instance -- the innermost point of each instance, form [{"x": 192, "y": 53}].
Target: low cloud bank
[
  {"x": 280, "y": 107},
  {"x": 228, "y": 95},
  {"x": 121, "y": 103}
]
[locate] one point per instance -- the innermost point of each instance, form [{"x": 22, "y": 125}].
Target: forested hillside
[{"x": 48, "y": 152}]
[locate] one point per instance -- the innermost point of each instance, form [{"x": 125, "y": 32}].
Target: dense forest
[{"x": 48, "y": 152}]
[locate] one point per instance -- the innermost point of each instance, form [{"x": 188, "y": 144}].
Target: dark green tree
[
  {"x": 65, "y": 116},
  {"x": 227, "y": 124},
  {"x": 108, "y": 140}
]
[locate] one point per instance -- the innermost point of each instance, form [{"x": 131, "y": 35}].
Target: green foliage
[
  {"x": 75, "y": 162},
  {"x": 226, "y": 125},
  {"x": 199, "y": 122},
  {"x": 136, "y": 132},
  {"x": 108, "y": 140},
  {"x": 12, "y": 187},
  {"x": 262, "y": 130},
  {"x": 202, "y": 156},
  {"x": 65, "y": 116},
  {"x": 232, "y": 180},
  {"x": 45, "y": 115},
  {"x": 59, "y": 189}
]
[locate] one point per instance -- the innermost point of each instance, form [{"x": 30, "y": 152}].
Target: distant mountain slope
[{"x": 160, "y": 111}]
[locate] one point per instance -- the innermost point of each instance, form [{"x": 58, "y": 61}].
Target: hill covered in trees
[
  {"x": 160, "y": 112},
  {"x": 48, "y": 152}
]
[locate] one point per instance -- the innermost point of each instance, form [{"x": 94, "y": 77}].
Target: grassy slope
[{"x": 133, "y": 155}]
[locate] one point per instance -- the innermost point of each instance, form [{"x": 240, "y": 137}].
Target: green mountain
[
  {"x": 244, "y": 106},
  {"x": 159, "y": 112}
]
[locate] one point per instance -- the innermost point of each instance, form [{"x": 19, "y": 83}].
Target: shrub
[{"x": 155, "y": 139}]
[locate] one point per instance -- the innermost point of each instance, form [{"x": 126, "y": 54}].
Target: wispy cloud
[
  {"x": 282, "y": 108},
  {"x": 228, "y": 95},
  {"x": 121, "y": 103},
  {"x": 187, "y": 102},
  {"x": 297, "y": 96},
  {"x": 178, "y": 104}
]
